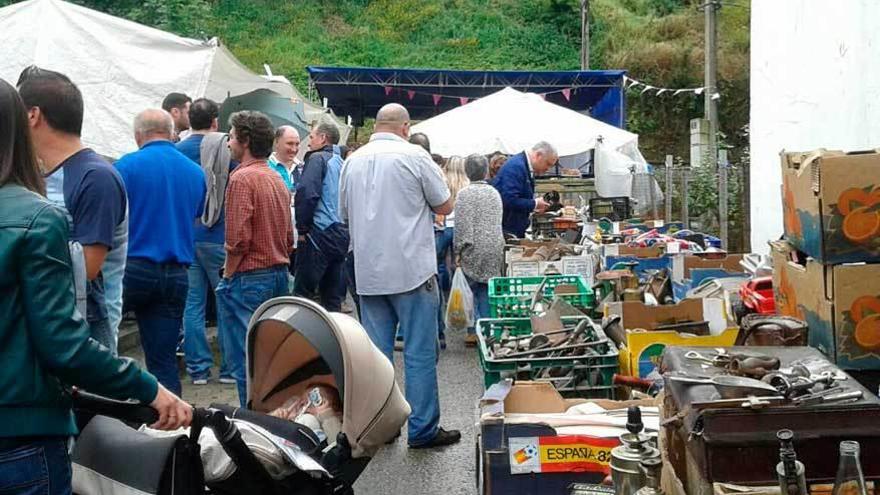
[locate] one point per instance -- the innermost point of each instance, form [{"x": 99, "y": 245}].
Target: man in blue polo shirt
[
  {"x": 210, "y": 149},
  {"x": 166, "y": 193},
  {"x": 84, "y": 185}
]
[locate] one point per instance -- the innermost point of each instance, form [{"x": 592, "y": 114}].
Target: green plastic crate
[
  {"x": 510, "y": 297},
  {"x": 599, "y": 369}
]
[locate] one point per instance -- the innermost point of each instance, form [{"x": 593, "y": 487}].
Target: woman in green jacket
[{"x": 44, "y": 342}]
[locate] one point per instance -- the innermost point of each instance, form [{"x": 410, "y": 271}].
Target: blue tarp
[{"x": 360, "y": 92}]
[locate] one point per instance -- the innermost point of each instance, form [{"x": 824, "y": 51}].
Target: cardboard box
[
  {"x": 691, "y": 270},
  {"x": 684, "y": 265},
  {"x": 840, "y": 303},
  {"x": 636, "y": 315},
  {"x": 638, "y": 252},
  {"x": 520, "y": 458},
  {"x": 831, "y": 204},
  {"x": 644, "y": 345}
]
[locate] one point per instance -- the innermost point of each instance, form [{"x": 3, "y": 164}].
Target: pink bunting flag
[
  {"x": 387, "y": 90},
  {"x": 567, "y": 94},
  {"x": 463, "y": 100},
  {"x": 411, "y": 94},
  {"x": 436, "y": 99}
]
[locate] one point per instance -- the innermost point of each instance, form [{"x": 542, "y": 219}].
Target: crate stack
[
  {"x": 827, "y": 268},
  {"x": 586, "y": 372}
]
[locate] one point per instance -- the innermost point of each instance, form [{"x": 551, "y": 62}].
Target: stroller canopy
[{"x": 294, "y": 344}]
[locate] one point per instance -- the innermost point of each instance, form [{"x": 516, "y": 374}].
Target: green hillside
[{"x": 657, "y": 41}]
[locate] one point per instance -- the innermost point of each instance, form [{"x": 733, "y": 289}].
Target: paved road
[{"x": 396, "y": 469}]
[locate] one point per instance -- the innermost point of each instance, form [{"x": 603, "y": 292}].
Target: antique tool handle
[
  {"x": 756, "y": 366},
  {"x": 632, "y": 382}
]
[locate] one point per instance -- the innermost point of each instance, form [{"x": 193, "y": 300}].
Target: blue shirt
[
  {"x": 92, "y": 194},
  {"x": 282, "y": 171},
  {"x": 166, "y": 192},
  {"x": 191, "y": 148}
]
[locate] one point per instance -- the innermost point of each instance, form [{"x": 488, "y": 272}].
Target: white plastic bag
[{"x": 460, "y": 308}]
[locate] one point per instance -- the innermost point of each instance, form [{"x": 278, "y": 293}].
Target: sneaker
[
  {"x": 227, "y": 380},
  {"x": 200, "y": 381},
  {"x": 441, "y": 439},
  {"x": 470, "y": 340}
]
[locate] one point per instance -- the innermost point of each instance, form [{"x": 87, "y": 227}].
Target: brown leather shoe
[{"x": 470, "y": 340}]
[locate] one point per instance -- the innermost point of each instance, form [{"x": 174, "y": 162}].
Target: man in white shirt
[{"x": 387, "y": 192}]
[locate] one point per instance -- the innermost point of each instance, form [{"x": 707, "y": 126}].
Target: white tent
[
  {"x": 123, "y": 67},
  {"x": 814, "y": 84},
  {"x": 511, "y": 121}
]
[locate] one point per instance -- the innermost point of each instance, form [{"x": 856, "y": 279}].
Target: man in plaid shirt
[{"x": 259, "y": 235}]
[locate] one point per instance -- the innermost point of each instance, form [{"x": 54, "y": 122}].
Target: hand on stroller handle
[{"x": 166, "y": 412}]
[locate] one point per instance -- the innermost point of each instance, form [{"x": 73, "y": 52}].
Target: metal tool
[
  {"x": 720, "y": 359},
  {"x": 546, "y": 350},
  {"x": 750, "y": 402},
  {"x": 844, "y": 397},
  {"x": 731, "y": 387}
]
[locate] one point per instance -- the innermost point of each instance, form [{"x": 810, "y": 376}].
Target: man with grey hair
[
  {"x": 323, "y": 239},
  {"x": 515, "y": 183},
  {"x": 387, "y": 192},
  {"x": 166, "y": 194},
  {"x": 479, "y": 240}
]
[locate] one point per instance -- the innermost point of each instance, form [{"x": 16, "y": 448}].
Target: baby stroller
[{"x": 293, "y": 345}]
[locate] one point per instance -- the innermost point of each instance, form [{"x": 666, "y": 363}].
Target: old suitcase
[{"x": 739, "y": 445}]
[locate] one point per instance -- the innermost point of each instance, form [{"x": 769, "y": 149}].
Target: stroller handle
[{"x": 132, "y": 412}]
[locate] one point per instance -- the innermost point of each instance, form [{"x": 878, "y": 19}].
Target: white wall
[{"x": 815, "y": 82}]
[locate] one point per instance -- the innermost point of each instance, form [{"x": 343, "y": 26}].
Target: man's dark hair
[
  {"x": 255, "y": 129},
  {"x": 202, "y": 114},
  {"x": 175, "y": 100},
  {"x": 329, "y": 131},
  {"x": 421, "y": 139},
  {"x": 59, "y": 100}
]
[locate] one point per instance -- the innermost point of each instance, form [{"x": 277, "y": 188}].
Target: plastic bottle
[
  {"x": 790, "y": 471},
  {"x": 849, "y": 479}
]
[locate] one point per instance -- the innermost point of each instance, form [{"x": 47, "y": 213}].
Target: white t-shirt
[{"x": 386, "y": 192}]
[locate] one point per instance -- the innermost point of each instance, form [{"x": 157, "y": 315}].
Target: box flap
[
  {"x": 534, "y": 397},
  {"x": 635, "y": 314}
]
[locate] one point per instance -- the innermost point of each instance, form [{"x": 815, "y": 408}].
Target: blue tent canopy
[{"x": 360, "y": 92}]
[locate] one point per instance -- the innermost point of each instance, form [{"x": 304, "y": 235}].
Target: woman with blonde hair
[{"x": 444, "y": 228}]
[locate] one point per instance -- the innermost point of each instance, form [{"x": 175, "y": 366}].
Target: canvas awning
[{"x": 123, "y": 67}]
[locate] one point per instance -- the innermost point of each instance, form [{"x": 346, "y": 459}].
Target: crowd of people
[{"x": 194, "y": 211}]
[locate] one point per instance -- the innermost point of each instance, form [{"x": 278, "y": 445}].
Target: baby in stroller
[{"x": 322, "y": 400}]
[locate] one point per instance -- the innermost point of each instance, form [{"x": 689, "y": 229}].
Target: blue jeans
[
  {"x": 203, "y": 275},
  {"x": 157, "y": 295},
  {"x": 481, "y": 301},
  {"x": 237, "y": 299},
  {"x": 35, "y": 466},
  {"x": 415, "y": 312},
  {"x": 320, "y": 272},
  {"x": 113, "y": 272},
  {"x": 443, "y": 242}
]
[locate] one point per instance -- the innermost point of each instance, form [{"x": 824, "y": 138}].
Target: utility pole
[
  {"x": 722, "y": 196},
  {"x": 585, "y": 34},
  {"x": 668, "y": 193},
  {"x": 710, "y": 8}
]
